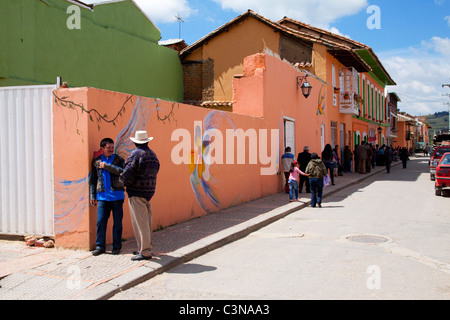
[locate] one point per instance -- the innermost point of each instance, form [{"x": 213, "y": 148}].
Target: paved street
[{"x": 384, "y": 238}]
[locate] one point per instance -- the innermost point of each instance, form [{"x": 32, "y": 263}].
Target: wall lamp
[{"x": 303, "y": 83}]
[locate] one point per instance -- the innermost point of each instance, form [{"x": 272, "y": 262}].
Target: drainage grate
[{"x": 367, "y": 239}]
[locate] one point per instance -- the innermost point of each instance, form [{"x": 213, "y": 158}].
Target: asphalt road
[{"x": 385, "y": 238}]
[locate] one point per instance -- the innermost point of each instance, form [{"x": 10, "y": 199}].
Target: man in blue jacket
[
  {"x": 108, "y": 192},
  {"x": 287, "y": 159}
]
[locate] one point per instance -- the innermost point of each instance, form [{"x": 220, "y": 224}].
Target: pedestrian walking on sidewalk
[
  {"x": 329, "y": 161},
  {"x": 287, "y": 159},
  {"x": 316, "y": 171},
  {"x": 404, "y": 156},
  {"x": 369, "y": 157},
  {"x": 388, "y": 158},
  {"x": 106, "y": 190},
  {"x": 294, "y": 172},
  {"x": 361, "y": 154},
  {"x": 348, "y": 157},
  {"x": 355, "y": 158},
  {"x": 303, "y": 159},
  {"x": 139, "y": 177}
]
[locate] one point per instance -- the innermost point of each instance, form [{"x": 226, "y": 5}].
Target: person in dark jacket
[
  {"x": 348, "y": 157},
  {"x": 316, "y": 171},
  {"x": 139, "y": 177},
  {"x": 404, "y": 156},
  {"x": 388, "y": 158},
  {"x": 303, "y": 159},
  {"x": 107, "y": 191},
  {"x": 328, "y": 161}
]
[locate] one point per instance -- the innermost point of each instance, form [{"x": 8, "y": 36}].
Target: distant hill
[{"x": 438, "y": 121}]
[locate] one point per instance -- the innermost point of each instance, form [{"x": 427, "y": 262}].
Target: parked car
[
  {"x": 435, "y": 158},
  {"x": 442, "y": 174}
]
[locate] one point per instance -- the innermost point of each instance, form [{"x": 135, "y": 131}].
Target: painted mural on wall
[
  {"x": 72, "y": 195},
  {"x": 71, "y": 198},
  {"x": 139, "y": 119},
  {"x": 203, "y": 181},
  {"x": 321, "y": 103}
]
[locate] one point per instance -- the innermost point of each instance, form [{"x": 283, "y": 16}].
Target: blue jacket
[{"x": 96, "y": 183}]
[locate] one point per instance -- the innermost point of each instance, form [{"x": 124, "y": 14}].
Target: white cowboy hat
[{"x": 141, "y": 137}]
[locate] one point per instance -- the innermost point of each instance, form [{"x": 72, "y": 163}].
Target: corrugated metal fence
[{"x": 26, "y": 155}]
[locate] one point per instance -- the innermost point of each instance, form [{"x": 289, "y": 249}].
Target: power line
[{"x": 418, "y": 98}]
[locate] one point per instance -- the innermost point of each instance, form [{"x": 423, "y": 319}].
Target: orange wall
[
  {"x": 274, "y": 82},
  {"x": 77, "y": 137},
  {"x": 71, "y": 167},
  {"x": 84, "y": 116}
]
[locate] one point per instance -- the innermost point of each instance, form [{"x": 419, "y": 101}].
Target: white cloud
[
  {"x": 160, "y": 11},
  {"x": 419, "y": 74},
  {"x": 320, "y": 13},
  {"x": 447, "y": 18}
]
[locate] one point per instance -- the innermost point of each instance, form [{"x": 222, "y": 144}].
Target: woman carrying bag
[
  {"x": 328, "y": 161},
  {"x": 316, "y": 171}
]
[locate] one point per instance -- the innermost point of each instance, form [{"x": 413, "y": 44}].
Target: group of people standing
[
  {"x": 368, "y": 156},
  {"x": 311, "y": 170}
]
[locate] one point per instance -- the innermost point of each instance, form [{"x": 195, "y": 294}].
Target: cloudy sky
[{"x": 411, "y": 38}]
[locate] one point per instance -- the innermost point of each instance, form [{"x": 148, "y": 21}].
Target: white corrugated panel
[{"x": 26, "y": 155}]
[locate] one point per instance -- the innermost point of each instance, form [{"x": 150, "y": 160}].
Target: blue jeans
[
  {"x": 316, "y": 190},
  {"x": 103, "y": 213},
  {"x": 293, "y": 186}
]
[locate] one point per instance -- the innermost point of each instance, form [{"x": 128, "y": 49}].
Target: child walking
[{"x": 294, "y": 173}]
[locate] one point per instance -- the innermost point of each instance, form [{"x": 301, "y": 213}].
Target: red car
[
  {"x": 434, "y": 160},
  {"x": 442, "y": 179}
]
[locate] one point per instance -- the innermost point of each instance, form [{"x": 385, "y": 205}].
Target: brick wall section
[
  {"x": 198, "y": 77},
  {"x": 208, "y": 80}
]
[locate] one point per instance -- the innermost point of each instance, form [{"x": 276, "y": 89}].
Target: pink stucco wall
[
  {"x": 273, "y": 85},
  {"x": 189, "y": 183}
]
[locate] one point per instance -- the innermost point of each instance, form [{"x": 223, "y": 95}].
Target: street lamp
[
  {"x": 304, "y": 85},
  {"x": 380, "y": 130}
]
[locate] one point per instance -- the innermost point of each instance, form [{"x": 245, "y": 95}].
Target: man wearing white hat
[{"x": 139, "y": 177}]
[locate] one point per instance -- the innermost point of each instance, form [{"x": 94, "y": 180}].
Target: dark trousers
[
  {"x": 316, "y": 191},
  {"x": 404, "y": 163},
  {"x": 103, "y": 213},
  {"x": 388, "y": 166},
  {"x": 304, "y": 180}
]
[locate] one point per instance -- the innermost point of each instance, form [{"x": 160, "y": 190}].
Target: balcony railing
[
  {"x": 349, "y": 103},
  {"x": 348, "y": 97}
]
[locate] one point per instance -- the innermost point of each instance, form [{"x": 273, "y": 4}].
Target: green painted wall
[{"x": 116, "y": 49}]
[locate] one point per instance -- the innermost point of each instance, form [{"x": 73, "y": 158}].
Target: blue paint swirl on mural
[
  {"x": 203, "y": 183},
  {"x": 143, "y": 108},
  {"x": 70, "y": 197}
]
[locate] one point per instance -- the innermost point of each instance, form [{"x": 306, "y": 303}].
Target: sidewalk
[{"x": 28, "y": 273}]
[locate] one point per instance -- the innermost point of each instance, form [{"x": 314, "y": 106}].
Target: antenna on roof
[{"x": 179, "y": 27}]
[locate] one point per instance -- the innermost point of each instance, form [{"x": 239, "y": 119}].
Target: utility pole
[{"x": 448, "y": 104}]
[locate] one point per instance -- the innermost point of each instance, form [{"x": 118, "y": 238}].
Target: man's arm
[
  {"x": 93, "y": 183},
  {"x": 115, "y": 168},
  {"x": 131, "y": 170}
]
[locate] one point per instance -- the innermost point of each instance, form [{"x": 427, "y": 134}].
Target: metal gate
[{"x": 26, "y": 155}]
